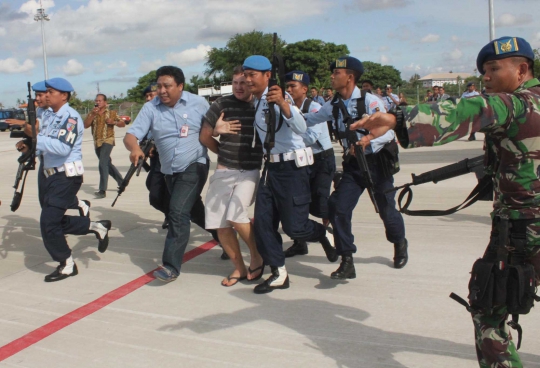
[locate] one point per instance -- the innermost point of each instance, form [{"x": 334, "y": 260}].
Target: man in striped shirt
[{"x": 233, "y": 185}]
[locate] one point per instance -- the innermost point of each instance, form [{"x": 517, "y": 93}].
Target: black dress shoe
[
  {"x": 100, "y": 194},
  {"x": 299, "y": 248},
  {"x": 346, "y": 269},
  {"x": 329, "y": 249},
  {"x": 103, "y": 240},
  {"x": 270, "y": 284},
  {"x": 400, "y": 254},
  {"x": 57, "y": 275}
]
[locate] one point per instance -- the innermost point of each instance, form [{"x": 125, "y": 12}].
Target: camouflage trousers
[{"x": 494, "y": 345}]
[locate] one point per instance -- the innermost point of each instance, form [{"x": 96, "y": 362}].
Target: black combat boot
[
  {"x": 299, "y": 248},
  {"x": 328, "y": 249},
  {"x": 346, "y": 269},
  {"x": 278, "y": 280},
  {"x": 400, "y": 254}
]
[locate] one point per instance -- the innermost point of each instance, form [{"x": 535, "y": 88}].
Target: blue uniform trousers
[
  {"x": 41, "y": 179},
  {"x": 320, "y": 183},
  {"x": 59, "y": 194},
  {"x": 344, "y": 199},
  {"x": 283, "y": 195}
]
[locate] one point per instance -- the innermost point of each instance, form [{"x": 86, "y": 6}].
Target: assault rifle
[
  {"x": 359, "y": 155},
  {"x": 277, "y": 67},
  {"x": 462, "y": 167},
  {"x": 146, "y": 146},
  {"x": 27, "y": 160}
]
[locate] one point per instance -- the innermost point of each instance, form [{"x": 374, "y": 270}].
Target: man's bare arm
[{"x": 206, "y": 138}]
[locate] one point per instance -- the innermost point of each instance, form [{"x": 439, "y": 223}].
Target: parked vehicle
[
  {"x": 126, "y": 119},
  {"x": 11, "y": 114}
]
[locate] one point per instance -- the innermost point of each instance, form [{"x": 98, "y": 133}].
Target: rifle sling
[{"x": 484, "y": 186}]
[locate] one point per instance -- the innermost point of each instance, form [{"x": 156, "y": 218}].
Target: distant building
[
  {"x": 211, "y": 92},
  {"x": 439, "y": 79}
]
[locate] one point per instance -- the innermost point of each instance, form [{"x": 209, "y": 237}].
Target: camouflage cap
[{"x": 503, "y": 48}]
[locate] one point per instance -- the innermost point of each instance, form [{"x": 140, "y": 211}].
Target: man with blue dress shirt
[
  {"x": 346, "y": 73},
  {"x": 174, "y": 119},
  {"x": 470, "y": 92},
  {"x": 283, "y": 193},
  {"x": 391, "y": 100},
  {"x": 59, "y": 146},
  {"x": 318, "y": 139}
]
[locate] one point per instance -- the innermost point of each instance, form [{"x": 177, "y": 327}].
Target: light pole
[
  {"x": 491, "y": 21},
  {"x": 41, "y": 16}
]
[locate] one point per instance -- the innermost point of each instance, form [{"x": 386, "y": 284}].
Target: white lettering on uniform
[
  {"x": 62, "y": 133},
  {"x": 71, "y": 137}
]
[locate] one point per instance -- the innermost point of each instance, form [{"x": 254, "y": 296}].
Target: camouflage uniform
[{"x": 511, "y": 123}]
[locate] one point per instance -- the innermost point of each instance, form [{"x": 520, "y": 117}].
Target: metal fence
[{"x": 131, "y": 111}]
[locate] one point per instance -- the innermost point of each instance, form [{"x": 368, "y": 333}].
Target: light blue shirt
[
  {"x": 469, "y": 94},
  {"x": 288, "y": 137},
  {"x": 388, "y": 103},
  {"x": 319, "y": 99},
  {"x": 165, "y": 123},
  {"x": 60, "y": 137},
  {"x": 317, "y": 133},
  {"x": 373, "y": 105}
]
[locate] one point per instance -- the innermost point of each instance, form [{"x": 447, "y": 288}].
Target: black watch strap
[{"x": 401, "y": 128}]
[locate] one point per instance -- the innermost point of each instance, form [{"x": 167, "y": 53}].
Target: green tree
[
  {"x": 313, "y": 57},
  {"x": 238, "y": 48},
  {"x": 75, "y": 102},
  {"x": 135, "y": 94},
  {"x": 381, "y": 75}
]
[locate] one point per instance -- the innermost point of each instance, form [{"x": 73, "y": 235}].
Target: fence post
[{"x": 417, "y": 94}]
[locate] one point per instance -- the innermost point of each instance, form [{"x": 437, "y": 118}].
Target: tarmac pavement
[{"x": 113, "y": 315}]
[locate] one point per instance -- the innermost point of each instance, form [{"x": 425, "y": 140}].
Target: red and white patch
[
  {"x": 373, "y": 104},
  {"x": 314, "y": 110}
]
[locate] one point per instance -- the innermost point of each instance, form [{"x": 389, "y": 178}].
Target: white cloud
[
  {"x": 430, "y": 38},
  {"x": 456, "y": 54},
  {"x": 455, "y": 38},
  {"x": 383, "y": 48},
  {"x": 73, "y": 67},
  {"x": 11, "y": 65},
  {"x": 2, "y": 31},
  {"x": 369, "y": 5},
  {"x": 119, "y": 64},
  {"x": 509, "y": 20},
  {"x": 535, "y": 42},
  {"x": 180, "y": 59},
  {"x": 385, "y": 59},
  {"x": 77, "y": 30}
]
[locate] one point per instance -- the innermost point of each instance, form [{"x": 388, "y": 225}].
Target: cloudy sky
[{"x": 114, "y": 42}]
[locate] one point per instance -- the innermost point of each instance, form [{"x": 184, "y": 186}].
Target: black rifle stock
[
  {"x": 446, "y": 172},
  {"x": 27, "y": 160},
  {"x": 146, "y": 146},
  {"x": 359, "y": 155}
]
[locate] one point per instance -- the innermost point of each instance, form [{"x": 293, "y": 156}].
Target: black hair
[
  {"x": 102, "y": 95},
  {"x": 368, "y": 82},
  {"x": 355, "y": 74},
  {"x": 171, "y": 71}
]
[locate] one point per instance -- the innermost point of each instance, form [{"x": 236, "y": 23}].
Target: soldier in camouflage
[{"x": 509, "y": 115}]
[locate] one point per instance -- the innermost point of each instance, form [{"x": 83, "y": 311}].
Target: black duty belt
[{"x": 324, "y": 154}]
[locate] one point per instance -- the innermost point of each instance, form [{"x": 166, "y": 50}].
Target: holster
[{"x": 388, "y": 159}]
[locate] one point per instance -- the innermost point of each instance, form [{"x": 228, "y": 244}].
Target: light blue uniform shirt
[
  {"x": 373, "y": 105},
  {"x": 388, "y": 103},
  {"x": 319, "y": 99},
  {"x": 165, "y": 123},
  {"x": 288, "y": 137},
  {"x": 469, "y": 94},
  {"x": 317, "y": 132},
  {"x": 60, "y": 137}
]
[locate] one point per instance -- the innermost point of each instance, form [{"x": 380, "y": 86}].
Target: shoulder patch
[{"x": 373, "y": 104}]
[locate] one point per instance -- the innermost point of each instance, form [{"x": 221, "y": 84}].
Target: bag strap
[
  {"x": 306, "y": 105},
  {"x": 514, "y": 323},
  {"x": 483, "y": 187}
]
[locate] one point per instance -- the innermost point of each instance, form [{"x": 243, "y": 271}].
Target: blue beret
[
  {"x": 59, "y": 84},
  {"x": 257, "y": 62},
  {"x": 151, "y": 88},
  {"x": 297, "y": 76},
  {"x": 503, "y": 48},
  {"x": 347, "y": 62},
  {"x": 470, "y": 84},
  {"x": 39, "y": 87}
]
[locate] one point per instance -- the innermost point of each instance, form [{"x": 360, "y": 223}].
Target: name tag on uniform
[{"x": 184, "y": 131}]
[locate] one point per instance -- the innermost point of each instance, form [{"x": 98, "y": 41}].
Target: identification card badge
[
  {"x": 79, "y": 168},
  {"x": 70, "y": 169},
  {"x": 300, "y": 157},
  {"x": 184, "y": 131},
  {"x": 309, "y": 154}
]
